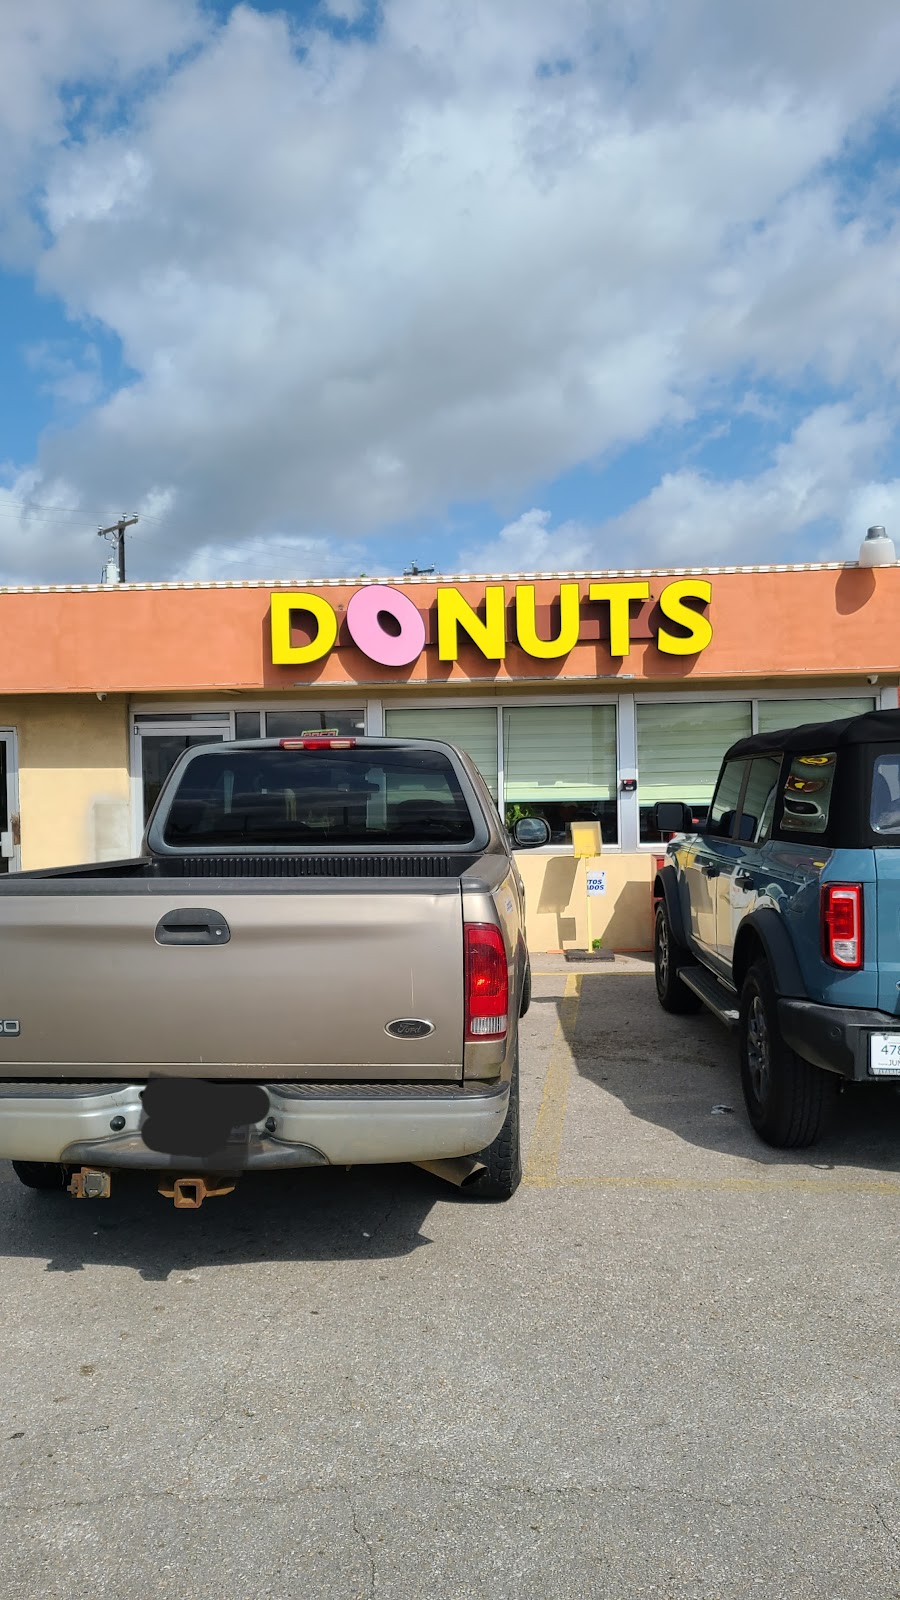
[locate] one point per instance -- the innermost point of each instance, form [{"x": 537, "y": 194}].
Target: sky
[{"x": 485, "y": 285}]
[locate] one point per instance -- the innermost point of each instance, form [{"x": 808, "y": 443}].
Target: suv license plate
[{"x": 884, "y": 1055}]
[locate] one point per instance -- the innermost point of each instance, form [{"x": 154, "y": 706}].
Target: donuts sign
[{"x": 389, "y": 628}]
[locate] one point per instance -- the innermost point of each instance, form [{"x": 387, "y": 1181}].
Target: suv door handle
[
  {"x": 711, "y": 871},
  {"x": 743, "y": 880}
]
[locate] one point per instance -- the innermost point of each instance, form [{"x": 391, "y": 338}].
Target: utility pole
[{"x": 116, "y": 536}]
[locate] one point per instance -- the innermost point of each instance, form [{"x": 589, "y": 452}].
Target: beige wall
[
  {"x": 556, "y": 901},
  {"x": 73, "y": 777}
]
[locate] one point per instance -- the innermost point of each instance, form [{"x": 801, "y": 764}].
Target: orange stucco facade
[{"x": 799, "y": 623}]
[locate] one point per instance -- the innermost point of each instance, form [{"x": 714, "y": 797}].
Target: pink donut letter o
[{"x": 366, "y": 631}]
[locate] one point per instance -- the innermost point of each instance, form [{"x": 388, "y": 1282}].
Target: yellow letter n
[{"x": 454, "y": 612}]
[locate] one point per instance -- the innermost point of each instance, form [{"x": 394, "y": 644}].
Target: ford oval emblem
[{"x": 409, "y": 1028}]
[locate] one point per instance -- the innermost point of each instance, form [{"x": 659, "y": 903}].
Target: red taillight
[
  {"x": 487, "y": 982},
  {"x": 842, "y": 930},
  {"x": 316, "y": 744}
]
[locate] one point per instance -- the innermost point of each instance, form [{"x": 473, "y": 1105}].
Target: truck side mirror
[
  {"x": 531, "y": 831},
  {"x": 671, "y": 816}
]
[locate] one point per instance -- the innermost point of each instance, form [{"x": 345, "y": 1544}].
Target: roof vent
[{"x": 877, "y": 550}]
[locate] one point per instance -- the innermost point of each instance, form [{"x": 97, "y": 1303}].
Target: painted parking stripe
[
  {"x": 542, "y": 1166},
  {"x": 818, "y": 1186}
]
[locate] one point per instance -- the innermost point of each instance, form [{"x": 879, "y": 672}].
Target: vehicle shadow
[
  {"x": 313, "y": 1214},
  {"x": 683, "y": 1074}
]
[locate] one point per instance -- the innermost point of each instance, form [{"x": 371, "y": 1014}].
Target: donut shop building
[{"x": 580, "y": 696}]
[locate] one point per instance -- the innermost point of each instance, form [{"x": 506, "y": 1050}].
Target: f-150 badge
[
  {"x": 10, "y": 1027},
  {"x": 409, "y": 1028}
]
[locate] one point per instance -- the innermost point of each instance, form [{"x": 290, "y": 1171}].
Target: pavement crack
[
  {"x": 891, "y": 1532},
  {"x": 214, "y": 1422},
  {"x": 363, "y": 1540}
]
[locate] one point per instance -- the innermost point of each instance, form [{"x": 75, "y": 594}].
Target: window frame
[
  {"x": 779, "y": 755},
  {"x": 706, "y": 832}
]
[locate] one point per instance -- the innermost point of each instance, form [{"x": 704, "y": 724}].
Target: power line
[{"x": 48, "y": 512}]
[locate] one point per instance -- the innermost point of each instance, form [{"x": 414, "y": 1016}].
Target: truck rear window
[{"x": 318, "y": 797}]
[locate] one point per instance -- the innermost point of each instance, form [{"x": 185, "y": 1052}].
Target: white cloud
[
  {"x": 359, "y": 280},
  {"x": 532, "y": 544},
  {"x": 275, "y": 556},
  {"x": 74, "y": 379},
  {"x": 60, "y": 61},
  {"x": 816, "y": 477}
]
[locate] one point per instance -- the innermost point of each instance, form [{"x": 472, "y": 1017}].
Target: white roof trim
[{"x": 403, "y": 583}]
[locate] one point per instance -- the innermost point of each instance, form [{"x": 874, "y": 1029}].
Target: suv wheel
[
  {"x": 667, "y": 955},
  {"x": 503, "y": 1159},
  {"x": 789, "y": 1101}
]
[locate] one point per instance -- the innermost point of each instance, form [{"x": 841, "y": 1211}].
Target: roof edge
[{"x": 438, "y": 578}]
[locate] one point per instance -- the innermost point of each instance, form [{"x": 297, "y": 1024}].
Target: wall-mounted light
[{"x": 877, "y": 550}]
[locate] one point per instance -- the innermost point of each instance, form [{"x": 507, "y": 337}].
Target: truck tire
[
  {"x": 41, "y": 1174},
  {"x": 503, "y": 1159},
  {"x": 673, "y": 995},
  {"x": 789, "y": 1101}
]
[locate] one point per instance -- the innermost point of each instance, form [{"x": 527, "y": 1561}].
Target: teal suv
[{"x": 782, "y": 915}]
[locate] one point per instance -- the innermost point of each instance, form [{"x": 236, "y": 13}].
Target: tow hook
[
  {"x": 90, "y": 1183},
  {"x": 189, "y": 1193}
]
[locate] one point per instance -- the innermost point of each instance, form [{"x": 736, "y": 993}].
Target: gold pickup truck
[{"x": 318, "y": 958}]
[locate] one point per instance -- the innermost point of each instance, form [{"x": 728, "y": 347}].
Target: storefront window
[
  {"x": 774, "y": 714},
  {"x": 291, "y": 724},
  {"x": 247, "y": 725},
  {"x": 473, "y": 730},
  {"x": 679, "y": 751},
  {"x": 159, "y": 752},
  {"x": 559, "y": 763}
]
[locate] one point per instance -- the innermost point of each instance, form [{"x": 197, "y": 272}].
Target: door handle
[
  {"x": 743, "y": 880},
  {"x": 710, "y": 871},
  {"x": 189, "y": 925},
  {"x": 15, "y": 829}
]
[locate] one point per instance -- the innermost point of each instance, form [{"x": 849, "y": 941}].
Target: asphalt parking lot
[{"x": 669, "y": 1367}]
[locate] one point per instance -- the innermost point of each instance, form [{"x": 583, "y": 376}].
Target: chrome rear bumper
[{"x": 309, "y": 1124}]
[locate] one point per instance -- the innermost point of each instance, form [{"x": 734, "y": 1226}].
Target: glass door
[
  {"x": 159, "y": 744},
  {"x": 9, "y": 802}
]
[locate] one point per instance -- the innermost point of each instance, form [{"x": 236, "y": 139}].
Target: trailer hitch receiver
[{"x": 190, "y": 1192}]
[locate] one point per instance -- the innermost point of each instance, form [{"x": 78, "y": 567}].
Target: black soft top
[{"x": 871, "y": 727}]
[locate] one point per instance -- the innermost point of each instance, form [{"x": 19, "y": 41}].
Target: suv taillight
[
  {"x": 487, "y": 982},
  {"x": 842, "y": 929}
]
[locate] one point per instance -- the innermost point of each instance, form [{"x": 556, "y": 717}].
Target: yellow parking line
[
  {"x": 724, "y": 1185},
  {"x": 543, "y": 1156}
]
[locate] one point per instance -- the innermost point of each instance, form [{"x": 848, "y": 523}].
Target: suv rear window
[
  {"x": 884, "y": 810},
  {"x": 318, "y": 797},
  {"x": 806, "y": 797}
]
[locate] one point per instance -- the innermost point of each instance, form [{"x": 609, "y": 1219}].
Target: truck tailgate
[{"x": 296, "y": 984}]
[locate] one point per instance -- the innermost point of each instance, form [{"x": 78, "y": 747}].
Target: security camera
[
  {"x": 101, "y": 694},
  {"x": 872, "y": 677}
]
